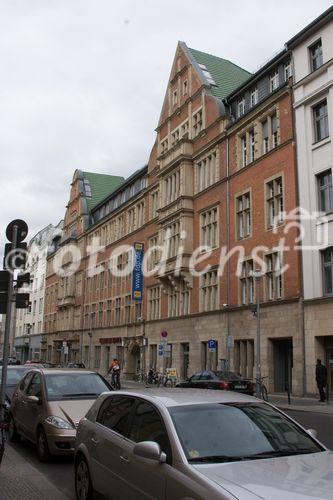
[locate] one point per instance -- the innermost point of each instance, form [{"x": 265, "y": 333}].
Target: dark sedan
[{"x": 227, "y": 381}]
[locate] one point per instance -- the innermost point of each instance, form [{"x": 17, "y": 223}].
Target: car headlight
[{"x": 58, "y": 422}]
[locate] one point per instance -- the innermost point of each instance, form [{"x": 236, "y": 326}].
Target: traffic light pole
[{"x": 7, "y": 335}]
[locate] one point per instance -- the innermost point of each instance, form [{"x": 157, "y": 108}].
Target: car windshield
[
  {"x": 14, "y": 375},
  {"x": 74, "y": 386},
  {"x": 230, "y": 432},
  {"x": 227, "y": 375}
]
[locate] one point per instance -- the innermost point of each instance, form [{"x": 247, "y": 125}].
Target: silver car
[{"x": 197, "y": 444}]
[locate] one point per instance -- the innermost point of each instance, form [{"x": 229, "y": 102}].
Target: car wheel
[
  {"x": 42, "y": 446},
  {"x": 83, "y": 486},
  {"x": 14, "y": 436}
]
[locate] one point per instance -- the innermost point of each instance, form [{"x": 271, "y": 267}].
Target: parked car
[
  {"x": 48, "y": 405},
  {"x": 11, "y": 361},
  {"x": 14, "y": 376},
  {"x": 178, "y": 443},
  {"x": 76, "y": 365},
  {"x": 226, "y": 381}
]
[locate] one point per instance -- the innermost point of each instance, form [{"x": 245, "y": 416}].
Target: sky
[{"x": 82, "y": 83}]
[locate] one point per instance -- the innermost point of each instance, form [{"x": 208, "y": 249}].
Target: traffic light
[
  {"x": 4, "y": 281},
  {"x": 16, "y": 258},
  {"x": 22, "y": 300},
  {"x": 22, "y": 279}
]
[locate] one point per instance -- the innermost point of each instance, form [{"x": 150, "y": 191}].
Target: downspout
[{"x": 228, "y": 261}]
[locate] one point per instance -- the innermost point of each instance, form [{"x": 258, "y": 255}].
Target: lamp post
[{"x": 257, "y": 276}]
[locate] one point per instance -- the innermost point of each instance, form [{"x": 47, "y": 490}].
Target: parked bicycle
[
  {"x": 140, "y": 376},
  {"x": 263, "y": 393}
]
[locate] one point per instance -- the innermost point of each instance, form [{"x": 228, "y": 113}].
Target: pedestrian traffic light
[
  {"x": 15, "y": 258},
  {"x": 22, "y": 279},
  {"x": 22, "y": 300}
]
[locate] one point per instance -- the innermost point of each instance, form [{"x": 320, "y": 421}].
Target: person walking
[
  {"x": 321, "y": 379},
  {"x": 114, "y": 371}
]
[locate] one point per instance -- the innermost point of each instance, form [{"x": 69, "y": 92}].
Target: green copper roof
[
  {"x": 101, "y": 185},
  {"x": 227, "y": 75}
]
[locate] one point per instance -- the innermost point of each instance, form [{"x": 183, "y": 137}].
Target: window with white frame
[
  {"x": 244, "y": 150},
  {"x": 173, "y": 303},
  {"x": 172, "y": 187},
  {"x": 316, "y": 55},
  {"x": 274, "y": 81},
  {"x": 320, "y": 120},
  {"x": 325, "y": 188},
  {"x": 154, "y": 204},
  {"x": 265, "y": 136},
  {"x": 327, "y": 263},
  {"x": 274, "y": 202},
  {"x": 172, "y": 236},
  {"x": 243, "y": 215},
  {"x": 209, "y": 228},
  {"x": 288, "y": 71},
  {"x": 274, "y": 130},
  {"x": 154, "y": 296},
  {"x": 141, "y": 213},
  {"x": 197, "y": 122},
  {"x": 273, "y": 276},
  {"x": 206, "y": 171},
  {"x": 241, "y": 107},
  {"x": 252, "y": 145},
  {"x": 131, "y": 219},
  {"x": 254, "y": 96},
  {"x": 247, "y": 283},
  {"x": 209, "y": 291}
]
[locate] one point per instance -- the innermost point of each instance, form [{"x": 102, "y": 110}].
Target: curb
[
  {"x": 305, "y": 409},
  {"x": 20, "y": 479}
]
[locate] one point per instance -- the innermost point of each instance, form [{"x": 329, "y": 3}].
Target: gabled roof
[
  {"x": 101, "y": 186},
  {"x": 227, "y": 75}
]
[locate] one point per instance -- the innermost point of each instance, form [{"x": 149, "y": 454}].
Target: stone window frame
[
  {"x": 131, "y": 219},
  {"x": 197, "y": 121},
  {"x": 329, "y": 187},
  {"x": 246, "y": 282},
  {"x": 247, "y": 145},
  {"x": 200, "y": 165},
  {"x": 240, "y": 195},
  {"x": 154, "y": 203},
  {"x": 267, "y": 118},
  {"x": 329, "y": 266},
  {"x": 172, "y": 186},
  {"x": 154, "y": 302},
  {"x": 276, "y": 200},
  {"x": 117, "y": 311},
  {"x": 173, "y": 302},
  {"x": 164, "y": 145},
  {"x": 176, "y": 227},
  {"x": 209, "y": 282},
  {"x": 273, "y": 282},
  {"x": 212, "y": 225},
  {"x": 127, "y": 308}
]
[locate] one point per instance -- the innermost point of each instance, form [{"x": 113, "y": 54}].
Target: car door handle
[
  {"x": 94, "y": 441},
  {"x": 126, "y": 460}
]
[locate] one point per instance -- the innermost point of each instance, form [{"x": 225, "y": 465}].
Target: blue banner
[{"x": 137, "y": 280}]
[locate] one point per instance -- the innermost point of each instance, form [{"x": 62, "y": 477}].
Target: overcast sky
[{"x": 82, "y": 83}]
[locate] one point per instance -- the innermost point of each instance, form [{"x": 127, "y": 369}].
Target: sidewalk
[
  {"x": 279, "y": 400},
  {"x": 18, "y": 479}
]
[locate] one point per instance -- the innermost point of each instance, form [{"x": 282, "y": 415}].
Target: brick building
[{"x": 220, "y": 178}]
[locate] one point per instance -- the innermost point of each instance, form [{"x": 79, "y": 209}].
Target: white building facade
[
  {"x": 29, "y": 324},
  {"x": 312, "y": 51}
]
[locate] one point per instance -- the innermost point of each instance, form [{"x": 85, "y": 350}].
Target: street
[{"x": 60, "y": 471}]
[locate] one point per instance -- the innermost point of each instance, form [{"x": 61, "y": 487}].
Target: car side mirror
[
  {"x": 151, "y": 450},
  {"x": 33, "y": 399},
  {"x": 313, "y": 433}
]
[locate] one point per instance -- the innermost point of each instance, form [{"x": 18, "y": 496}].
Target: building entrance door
[
  {"x": 329, "y": 365},
  {"x": 283, "y": 362}
]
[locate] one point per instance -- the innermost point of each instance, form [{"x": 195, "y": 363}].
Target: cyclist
[{"x": 114, "y": 371}]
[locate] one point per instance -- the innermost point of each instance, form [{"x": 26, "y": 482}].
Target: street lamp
[{"x": 257, "y": 275}]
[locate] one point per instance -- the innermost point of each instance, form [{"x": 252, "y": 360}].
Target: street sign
[
  {"x": 212, "y": 345},
  {"x": 164, "y": 334},
  {"x": 65, "y": 350},
  {"x": 22, "y": 230}
]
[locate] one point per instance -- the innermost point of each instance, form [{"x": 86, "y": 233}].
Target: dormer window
[
  {"x": 274, "y": 81},
  {"x": 87, "y": 188},
  {"x": 254, "y": 97},
  {"x": 316, "y": 55},
  {"x": 207, "y": 74},
  {"x": 287, "y": 70},
  {"x": 241, "y": 107}
]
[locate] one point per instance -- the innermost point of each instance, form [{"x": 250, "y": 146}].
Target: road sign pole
[{"x": 7, "y": 333}]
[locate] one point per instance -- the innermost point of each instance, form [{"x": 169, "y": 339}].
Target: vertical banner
[{"x": 137, "y": 281}]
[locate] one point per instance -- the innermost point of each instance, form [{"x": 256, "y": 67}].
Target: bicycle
[
  {"x": 140, "y": 377},
  {"x": 263, "y": 393}
]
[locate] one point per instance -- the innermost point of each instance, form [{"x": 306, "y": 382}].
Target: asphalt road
[{"x": 60, "y": 471}]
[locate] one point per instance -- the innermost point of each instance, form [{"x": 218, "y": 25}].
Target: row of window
[
  {"x": 183, "y": 131},
  {"x": 259, "y": 140}
]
